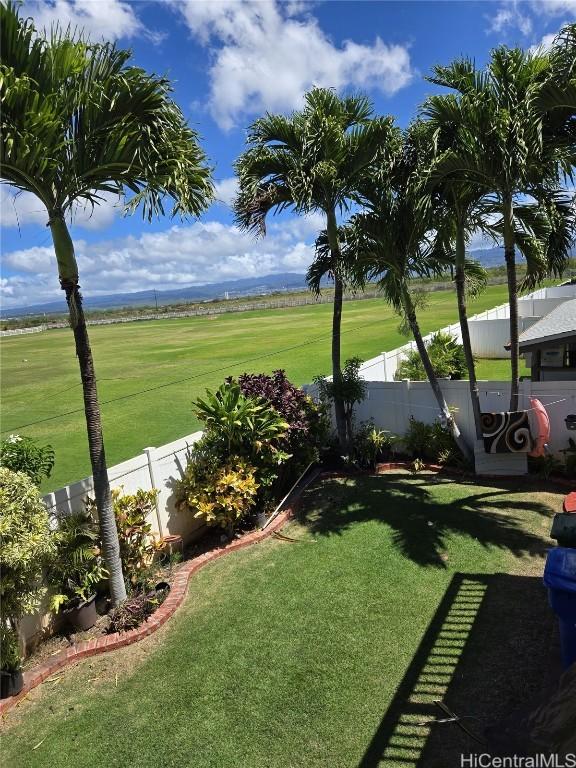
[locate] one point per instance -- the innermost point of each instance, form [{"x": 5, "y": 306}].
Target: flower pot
[
  {"x": 11, "y": 682},
  {"x": 83, "y": 616}
]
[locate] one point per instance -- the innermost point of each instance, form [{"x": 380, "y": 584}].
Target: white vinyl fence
[
  {"x": 159, "y": 468},
  {"x": 390, "y": 404},
  {"x": 489, "y": 331}
]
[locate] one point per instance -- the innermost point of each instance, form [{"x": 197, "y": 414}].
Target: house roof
[{"x": 557, "y": 325}]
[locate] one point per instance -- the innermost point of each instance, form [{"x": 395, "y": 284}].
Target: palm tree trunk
[
  {"x": 410, "y": 313},
  {"x": 339, "y": 409},
  {"x": 68, "y": 273},
  {"x": 460, "y": 280},
  {"x": 510, "y": 258}
]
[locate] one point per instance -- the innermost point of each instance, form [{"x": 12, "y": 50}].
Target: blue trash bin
[{"x": 560, "y": 578}]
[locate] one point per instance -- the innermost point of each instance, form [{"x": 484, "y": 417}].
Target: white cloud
[
  {"x": 225, "y": 190},
  {"x": 509, "y": 14},
  {"x": 265, "y": 57},
  {"x": 515, "y": 14},
  {"x": 25, "y": 208},
  {"x": 108, "y": 19},
  {"x": 180, "y": 256}
]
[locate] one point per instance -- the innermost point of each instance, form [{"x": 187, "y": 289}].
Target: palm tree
[
  {"x": 313, "y": 161},
  {"x": 460, "y": 213},
  {"x": 397, "y": 237},
  {"x": 79, "y": 122},
  {"x": 557, "y": 99},
  {"x": 501, "y": 148}
]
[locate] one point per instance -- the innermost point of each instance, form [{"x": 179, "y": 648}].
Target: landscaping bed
[{"x": 302, "y": 652}]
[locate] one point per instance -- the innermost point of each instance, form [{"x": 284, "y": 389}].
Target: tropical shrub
[
  {"x": 77, "y": 567},
  {"x": 446, "y": 355},
  {"x": 25, "y": 547},
  {"x": 241, "y": 425},
  {"x": 22, "y": 454},
  {"x": 370, "y": 444},
  {"x": 137, "y": 544},
  {"x": 307, "y": 422},
  {"x": 351, "y": 390},
  {"x": 9, "y": 649},
  {"x": 220, "y": 495},
  {"x": 431, "y": 441}
]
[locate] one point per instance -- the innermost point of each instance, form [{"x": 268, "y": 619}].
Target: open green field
[{"x": 40, "y": 378}]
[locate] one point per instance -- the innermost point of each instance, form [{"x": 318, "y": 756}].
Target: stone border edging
[{"x": 105, "y": 643}]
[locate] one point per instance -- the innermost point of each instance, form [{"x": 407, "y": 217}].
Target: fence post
[{"x": 150, "y": 456}]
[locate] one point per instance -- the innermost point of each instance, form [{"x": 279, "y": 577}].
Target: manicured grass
[
  {"x": 289, "y": 654},
  {"x": 40, "y": 374}
]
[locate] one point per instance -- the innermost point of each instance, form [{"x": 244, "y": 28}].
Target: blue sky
[{"x": 230, "y": 61}]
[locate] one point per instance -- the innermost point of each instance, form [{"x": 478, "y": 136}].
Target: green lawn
[
  {"x": 40, "y": 375},
  {"x": 291, "y": 654}
]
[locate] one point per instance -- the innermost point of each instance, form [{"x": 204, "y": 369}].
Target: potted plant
[
  {"x": 11, "y": 678},
  {"x": 26, "y": 547},
  {"x": 76, "y": 570}
]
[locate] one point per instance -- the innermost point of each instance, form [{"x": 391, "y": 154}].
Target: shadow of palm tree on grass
[{"x": 423, "y": 520}]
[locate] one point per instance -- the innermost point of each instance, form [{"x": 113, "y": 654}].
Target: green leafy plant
[
  {"x": 26, "y": 546},
  {"x": 22, "y": 454},
  {"x": 446, "y": 355},
  {"x": 246, "y": 426},
  {"x": 77, "y": 567},
  {"x": 433, "y": 442},
  {"x": 370, "y": 444},
  {"x": 10, "y": 656},
  {"x": 307, "y": 421},
  {"x": 220, "y": 495},
  {"x": 137, "y": 544},
  {"x": 351, "y": 390}
]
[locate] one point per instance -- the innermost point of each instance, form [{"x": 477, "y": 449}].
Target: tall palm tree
[
  {"x": 313, "y": 161},
  {"x": 459, "y": 214},
  {"x": 501, "y": 149},
  {"x": 77, "y": 122},
  {"x": 397, "y": 237}
]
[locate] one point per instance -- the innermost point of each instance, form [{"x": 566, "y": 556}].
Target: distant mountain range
[
  {"x": 232, "y": 289},
  {"x": 249, "y": 286}
]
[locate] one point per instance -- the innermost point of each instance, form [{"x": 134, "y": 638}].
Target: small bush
[
  {"x": 352, "y": 390},
  {"x": 21, "y": 454},
  {"x": 26, "y": 546},
  {"x": 135, "y": 610},
  {"x": 307, "y": 422},
  {"x": 137, "y": 544},
  {"x": 77, "y": 567},
  {"x": 220, "y": 495},
  {"x": 432, "y": 442},
  {"x": 10, "y": 658},
  {"x": 370, "y": 445},
  {"x": 446, "y": 355}
]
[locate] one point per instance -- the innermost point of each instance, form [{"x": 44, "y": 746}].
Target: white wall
[
  {"x": 158, "y": 468},
  {"x": 389, "y": 404},
  {"x": 488, "y": 337}
]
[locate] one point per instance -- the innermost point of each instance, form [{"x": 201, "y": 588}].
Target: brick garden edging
[{"x": 33, "y": 677}]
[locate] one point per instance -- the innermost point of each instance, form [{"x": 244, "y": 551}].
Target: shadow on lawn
[
  {"x": 489, "y": 650},
  {"x": 420, "y": 522}
]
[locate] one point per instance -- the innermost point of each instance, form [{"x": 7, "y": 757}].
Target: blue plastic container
[{"x": 560, "y": 578}]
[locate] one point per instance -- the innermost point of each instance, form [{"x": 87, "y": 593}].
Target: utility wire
[{"x": 189, "y": 378}]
